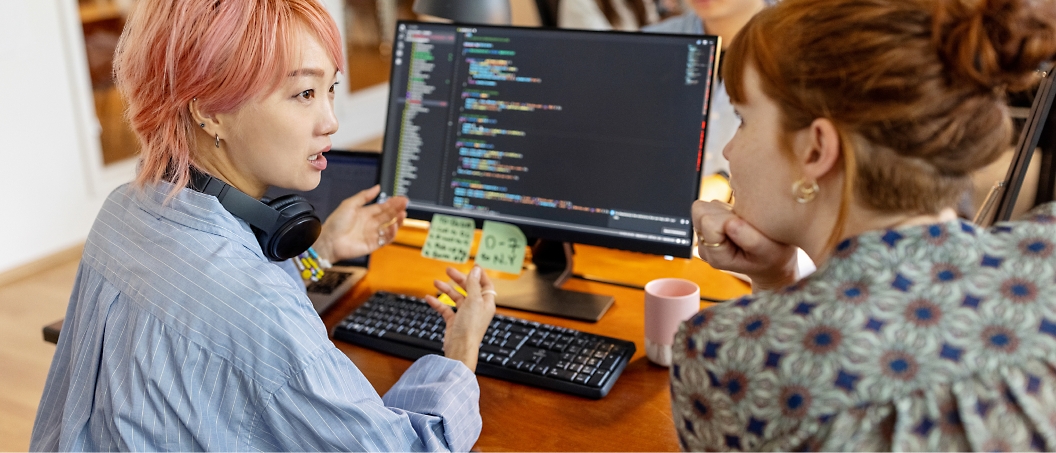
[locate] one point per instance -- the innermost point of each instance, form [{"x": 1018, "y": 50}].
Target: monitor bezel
[{"x": 1030, "y": 139}]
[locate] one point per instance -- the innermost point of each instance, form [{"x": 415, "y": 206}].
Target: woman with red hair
[
  {"x": 861, "y": 123},
  {"x": 188, "y": 327}
]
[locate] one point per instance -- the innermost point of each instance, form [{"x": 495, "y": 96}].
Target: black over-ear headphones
[{"x": 285, "y": 227}]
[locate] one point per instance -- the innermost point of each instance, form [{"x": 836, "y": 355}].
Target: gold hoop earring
[
  {"x": 804, "y": 192},
  {"x": 217, "y": 140}
]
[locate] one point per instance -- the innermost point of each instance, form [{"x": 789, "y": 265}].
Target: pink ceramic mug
[{"x": 668, "y": 302}]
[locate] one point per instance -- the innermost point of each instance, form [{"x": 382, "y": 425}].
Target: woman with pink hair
[{"x": 188, "y": 327}]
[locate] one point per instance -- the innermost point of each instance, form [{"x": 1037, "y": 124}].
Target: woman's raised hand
[
  {"x": 728, "y": 242},
  {"x": 354, "y": 229},
  {"x": 465, "y": 327}
]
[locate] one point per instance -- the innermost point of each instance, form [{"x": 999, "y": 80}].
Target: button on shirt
[{"x": 181, "y": 335}]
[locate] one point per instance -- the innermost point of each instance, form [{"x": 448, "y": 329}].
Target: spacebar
[{"x": 412, "y": 341}]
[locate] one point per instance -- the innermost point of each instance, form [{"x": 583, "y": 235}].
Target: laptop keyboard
[
  {"x": 517, "y": 350},
  {"x": 328, "y": 283}
]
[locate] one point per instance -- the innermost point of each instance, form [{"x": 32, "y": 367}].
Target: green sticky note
[
  {"x": 501, "y": 247},
  {"x": 449, "y": 238}
]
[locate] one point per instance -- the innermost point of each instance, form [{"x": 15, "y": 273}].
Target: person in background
[
  {"x": 862, "y": 122},
  {"x": 722, "y": 18},
  {"x": 182, "y": 332},
  {"x": 624, "y": 15}
]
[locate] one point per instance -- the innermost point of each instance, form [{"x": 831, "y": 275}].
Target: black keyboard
[{"x": 526, "y": 352}]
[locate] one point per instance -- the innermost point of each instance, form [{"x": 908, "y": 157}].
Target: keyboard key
[
  {"x": 610, "y": 362},
  {"x": 515, "y": 343},
  {"x": 523, "y": 330},
  {"x": 561, "y": 374},
  {"x": 495, "y": 350},
  {"x": 597, "y": 379}
]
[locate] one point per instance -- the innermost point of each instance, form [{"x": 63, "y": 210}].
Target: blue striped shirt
[{"x": 181, "y": 335}]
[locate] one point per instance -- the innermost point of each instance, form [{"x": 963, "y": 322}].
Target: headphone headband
[{"x": 243, "y": 206}]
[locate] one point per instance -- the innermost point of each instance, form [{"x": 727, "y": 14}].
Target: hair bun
[{"x": 995, "y": 43}]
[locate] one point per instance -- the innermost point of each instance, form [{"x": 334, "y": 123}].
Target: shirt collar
[{"x": 198, "y": 211}]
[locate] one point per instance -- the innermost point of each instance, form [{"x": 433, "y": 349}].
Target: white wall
[
  {"x": 51, "y": 175},
  {"x": 49, "y": 200},
  {"x": 361, "y": 114}
]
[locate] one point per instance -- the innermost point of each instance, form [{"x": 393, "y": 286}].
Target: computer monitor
[
  {"x": 574, "y": 136},
  {"x": 1039, "y": 131}
]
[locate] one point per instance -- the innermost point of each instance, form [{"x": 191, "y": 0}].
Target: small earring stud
[{"x": 201, "y": 125}]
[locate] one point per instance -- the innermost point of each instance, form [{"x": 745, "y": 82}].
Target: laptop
[{"x": 347, "y": 172}]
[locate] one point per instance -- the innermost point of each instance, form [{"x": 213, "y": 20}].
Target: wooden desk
[{"x": 634, "y": 416}]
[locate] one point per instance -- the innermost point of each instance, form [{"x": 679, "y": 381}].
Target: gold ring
[
  {"x": 489, "y": 291},
  {"x": 710, "y": 244}
]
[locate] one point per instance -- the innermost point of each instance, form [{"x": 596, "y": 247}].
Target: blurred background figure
[{"x": 625, "y": 15}]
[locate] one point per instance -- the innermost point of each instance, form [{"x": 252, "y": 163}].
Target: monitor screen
[{"x": 572, "y": 135}]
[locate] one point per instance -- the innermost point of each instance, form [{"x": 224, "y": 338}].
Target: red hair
[
  {"x": 222, "y": 52},
  {"x": 916, "y": 88}
]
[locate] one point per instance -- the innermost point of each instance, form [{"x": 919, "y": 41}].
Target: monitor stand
[{"x": 539, "y": 290}]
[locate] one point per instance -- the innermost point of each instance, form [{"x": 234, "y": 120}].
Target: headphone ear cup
[{"x": 297, "y": 228}]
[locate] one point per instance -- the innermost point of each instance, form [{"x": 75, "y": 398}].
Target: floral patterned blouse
[{"x": 937, "y": 337}]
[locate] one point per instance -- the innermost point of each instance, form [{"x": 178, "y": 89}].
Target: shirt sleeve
[
  {"x": 435, "y": 386},
  {"x": 705, "y": 415},
  {"x": 331, "y": 406}
]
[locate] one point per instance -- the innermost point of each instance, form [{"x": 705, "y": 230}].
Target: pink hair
[{"x": 222, "y": 52}]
